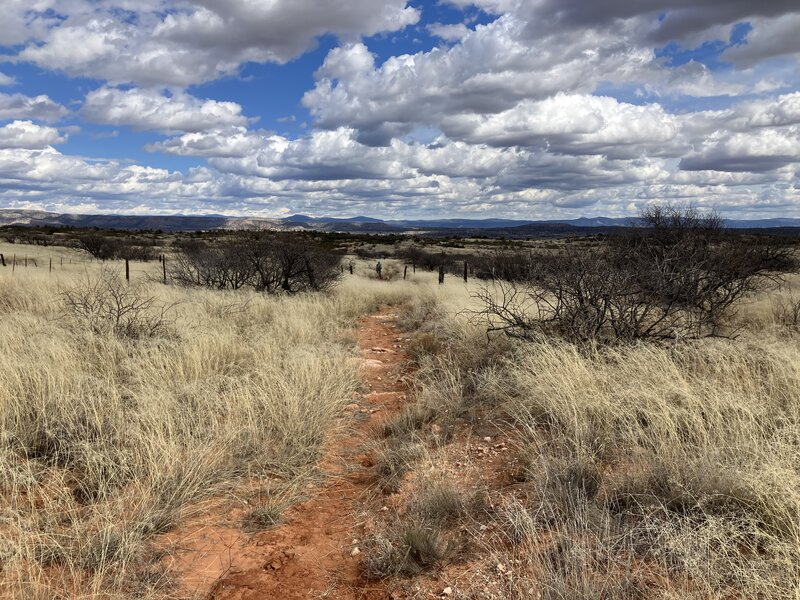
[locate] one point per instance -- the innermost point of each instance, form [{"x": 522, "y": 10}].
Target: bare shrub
[
  {"x": 679, "y": 277},
  {"x": 106, "y": 247},
  {"x": 107, "y": 304},
  {"x": 268, "y": 263},
  {"x": 99, "y": 246},
  {"x": 786, "y": 312},
  {"x": 504, "y": 264}
]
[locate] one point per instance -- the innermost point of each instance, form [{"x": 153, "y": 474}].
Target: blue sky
[{"x": 483, "y": 108}]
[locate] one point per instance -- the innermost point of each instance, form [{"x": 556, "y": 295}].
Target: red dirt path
[{"x": 311, "y": 555}]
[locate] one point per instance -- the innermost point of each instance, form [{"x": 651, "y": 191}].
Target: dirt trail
[{"x": 311, "y": 555}]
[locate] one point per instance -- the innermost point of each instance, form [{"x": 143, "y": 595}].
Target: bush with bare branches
[
  {"x": 679, "y": 276},
  {"x": 267, "y": 263},
  {"x": 105, "y": 247},
  {"x": 107, "y": 304}
]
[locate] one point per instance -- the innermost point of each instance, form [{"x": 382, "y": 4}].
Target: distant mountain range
[{"x": 511, "y": 227}]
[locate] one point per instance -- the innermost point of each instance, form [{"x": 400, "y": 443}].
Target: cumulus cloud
[
  {"x": 153, "y": 110},
  {"x": 181, "y": 43},
  {"x": 450, "y": 32},
  {"x": 507, "y": 117},
  {"x": 467, "y": 179},
  {"x": 26, "y": 134},
  {"x": 764, "y": 150},
  {"x": 25, "y": 19},
  {"x": 229, "y": 142},
  {"x": 490, "y": 70},
  {"x": 659, "y": 20},
  {"x": 537, "y": 49},
  {"x": 575, "y": 124},
  {"x": 20, "y": 106}
]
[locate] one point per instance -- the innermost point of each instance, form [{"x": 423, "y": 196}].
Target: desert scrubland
[{"x": 538, "y": 465}]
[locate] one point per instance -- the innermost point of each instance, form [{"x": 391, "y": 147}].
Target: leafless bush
[
  {"x": 269, "y": 264},
  {"x": 422, "y": 258},
  {"x": 679, "y": 277},
  {"x": 107, "y": 304},
  {"x": 99, "y": 246},
  {"x": 504, "y": 264},
  {"x": 104, "y": 247},
  {"x": 786, "y": 313}
]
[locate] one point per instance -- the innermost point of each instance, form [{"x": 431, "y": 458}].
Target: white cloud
[
  {"x": 175, "y": 43},
  {"x": 759, "y": 151},
  {"x": 25, "y": 19},
  {"x": 449, "y": 32},
  {"x": 229, "y": 142},
  {"x": 26, "y": 134},
  {"x": 575, "y": 124},
  {"x": 504, "y": 119},
  {"x": 446, "y": 176},
  {"x": 490, "y": 70},
  {"x": 19, "y": 106},
  {"x": 152, "y": 110}
]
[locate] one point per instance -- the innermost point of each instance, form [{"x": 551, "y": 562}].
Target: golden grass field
[
  {"x": 641, "y": 471},
  {"x": 109, "y": 438},
  {"x": 644, "y": 471}
]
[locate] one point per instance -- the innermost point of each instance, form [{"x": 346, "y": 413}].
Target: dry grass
[
  {"x": 666, "y": 471},
  {"x": 110, "y": 437},
  {"x": 646, "y": 471},
  {"x": 690, "y": 452}
]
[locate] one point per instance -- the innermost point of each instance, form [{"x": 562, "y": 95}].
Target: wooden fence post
[
  {"x": 441, "y": 273},
  {"x": 2, "y": 259},
  {"x": 14, "y": 264},
  {"x": 465, "y": 271},
  {"x": 405, "y": 272},
  {"x": 414, "y": 267},
  {"x": 127, "y": 271},
  {"x": 164, "y": 268},
  {"x": 51, "y": 265}
]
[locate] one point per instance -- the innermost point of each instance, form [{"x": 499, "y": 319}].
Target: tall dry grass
[
  {"x": 109, "y": 438},
  {"x": 648, "y": 471}
]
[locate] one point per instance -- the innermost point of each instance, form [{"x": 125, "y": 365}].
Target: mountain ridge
[{"x": 185, "y": 223}]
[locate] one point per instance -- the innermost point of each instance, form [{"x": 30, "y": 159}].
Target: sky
[{"x": 534, "y": 109}]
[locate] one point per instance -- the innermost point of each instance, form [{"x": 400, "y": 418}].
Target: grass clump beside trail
[
  {"x": 685, "y": 458},
  {"x": 123, "y": 406}
]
